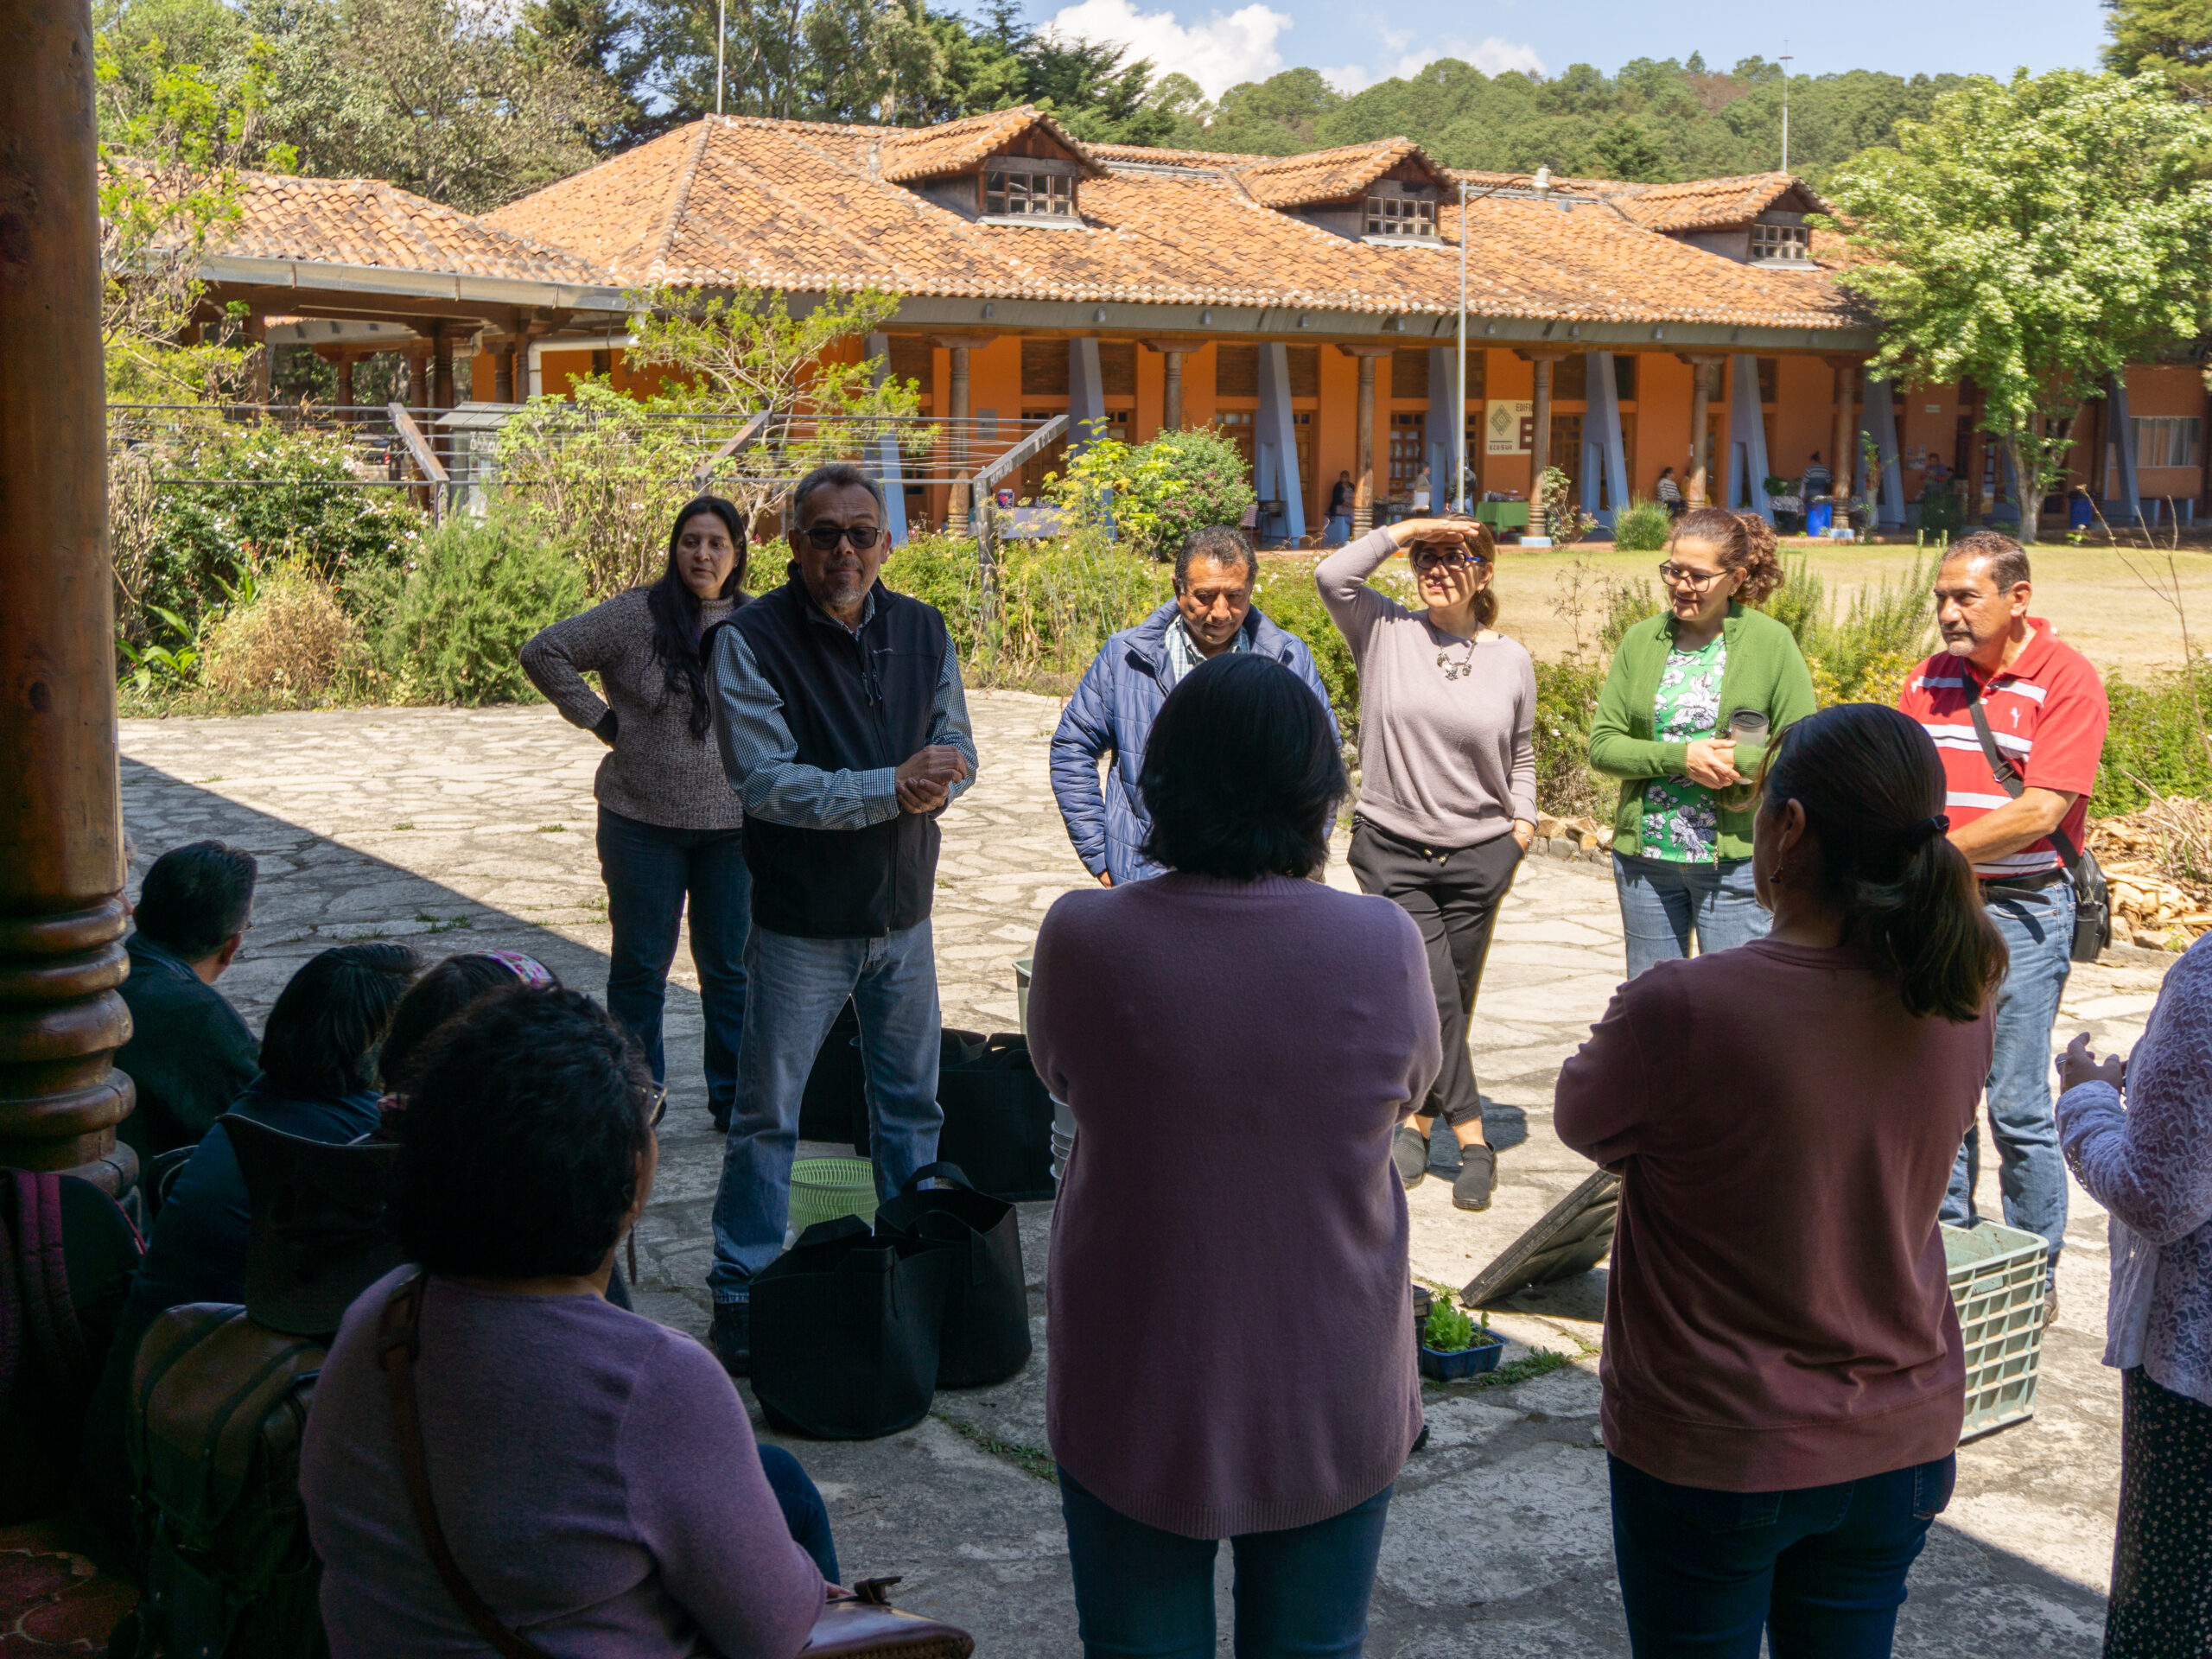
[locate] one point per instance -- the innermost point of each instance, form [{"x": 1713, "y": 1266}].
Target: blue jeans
[
  {"x": 805, "y": 1517},
  {"x": 1340, "y": 530},
  {"x": 1821, "y": 1569},
  {"x": 1300, "y": 1593},
  {"x": 649, "y": 868},
  {"x": 2039, "y": 929},
  {"x": 1663, "y": 901},
  {"x": 804, "y": 982}
]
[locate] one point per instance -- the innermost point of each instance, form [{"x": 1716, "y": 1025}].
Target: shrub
[
  {"x": 190, "y": 512},
  {"x": 1567, "y": 698},
  {"x": 1642, "y": 526},
  {"x": 1290, "y": 600},
  {"x": 1057, "y": 602},
  {"x": 2156, "y": 739},
  {"x": 458, "y": 619},
  {"x": 1863, "y": 654},
  {"x": 290, "y": 641},
  {"x": 1154, "y": 495}
]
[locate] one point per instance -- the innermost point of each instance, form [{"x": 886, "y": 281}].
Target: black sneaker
[
  {"x": 1478, "y": 1178},
  {"x": 1410, "y": 1151},
  {"x": 732, "y": 1337}
]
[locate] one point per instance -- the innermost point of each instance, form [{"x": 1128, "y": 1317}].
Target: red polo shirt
[{"x": 2048, "y": 714}]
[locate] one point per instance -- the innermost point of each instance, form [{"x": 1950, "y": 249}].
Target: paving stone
[{"x": 1498, "y": 1540}]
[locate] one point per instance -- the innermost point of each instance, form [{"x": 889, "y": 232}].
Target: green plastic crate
[{"x": 1997, "y": 1276}]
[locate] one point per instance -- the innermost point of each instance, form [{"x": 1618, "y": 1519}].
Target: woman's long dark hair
[
  {"x": 675, "y": 610},
  {"x": 1872, "y": 787}
]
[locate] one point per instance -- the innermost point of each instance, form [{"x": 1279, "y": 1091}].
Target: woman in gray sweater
[
  {"x": 669, "y": 827},
  {"x": 1447, "y": 794}
]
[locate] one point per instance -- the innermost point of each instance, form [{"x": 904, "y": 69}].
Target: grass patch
[
  {"x": 448, "y": 926},
  {"x": 552, "y": 828},
  {"x": 1538, "y": 1361},
  {"x": 1031, "y": 1460}
]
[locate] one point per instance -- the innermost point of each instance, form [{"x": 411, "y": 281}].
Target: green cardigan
[{"x": 1764, "y": 670}]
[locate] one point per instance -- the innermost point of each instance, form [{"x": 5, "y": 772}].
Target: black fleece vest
[{"x": 852, "y": 703}]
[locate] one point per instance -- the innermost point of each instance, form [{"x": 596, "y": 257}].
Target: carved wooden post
[
  {"x": 1540, "y": 446},
  {"x": 1363, "y": 500},
  {"x": 61, "y": 868},
  {"x": 1843, "y": 459}
]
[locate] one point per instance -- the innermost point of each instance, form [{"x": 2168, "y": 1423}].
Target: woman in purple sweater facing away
[
  {"x": 1232, "y": 1352},
  {"x": 593, "y": 1473}
]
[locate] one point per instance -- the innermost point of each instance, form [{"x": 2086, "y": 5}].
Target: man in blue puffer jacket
[{"x": 1112, "y": 711}]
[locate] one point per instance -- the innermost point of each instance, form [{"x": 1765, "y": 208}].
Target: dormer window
[
  {"x": 1015, "y": 193},
  {"x": 1792, "y": 242},
  {"x": 1400, "y": 216}
]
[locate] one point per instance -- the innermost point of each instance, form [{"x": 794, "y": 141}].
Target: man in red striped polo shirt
[{"x": 2047, "y": 713}]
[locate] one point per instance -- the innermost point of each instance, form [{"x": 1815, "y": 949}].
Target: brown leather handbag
[{"x": 857, "y": 1623}]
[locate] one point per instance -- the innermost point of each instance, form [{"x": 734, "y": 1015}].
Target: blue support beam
[
  {"x": 2123, "y": 442},
  {"x": 1746, "y": 469},
  {"x": 883, "y": 461},
  {"x": 1086, "y": 395},
  {"x": 1603, "y": 457},
  {"x": 1882, "y": 421},
  {"x": 1445, "y": 426},
  {"x": 1276, "y": 443}
]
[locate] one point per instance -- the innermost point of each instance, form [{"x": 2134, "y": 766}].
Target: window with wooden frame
[
  {"x": 1240, "y": 425},
  {"x": 1409, "y": 450},
  {"x": 1017, "y": 194},
  {"x": 1781, "y": 242},
  {"x": 1400, "y": 216}
]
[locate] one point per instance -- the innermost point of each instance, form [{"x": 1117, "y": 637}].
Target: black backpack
[
  {"x": 217, "y": 1407},
  {"x": 67, "y": 1256}
]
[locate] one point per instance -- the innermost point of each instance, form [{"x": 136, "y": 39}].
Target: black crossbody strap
[{"x": 2007, "y": 775}]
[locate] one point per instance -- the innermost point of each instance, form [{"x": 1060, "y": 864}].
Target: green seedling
[{"x": 1448, "y": 1330}]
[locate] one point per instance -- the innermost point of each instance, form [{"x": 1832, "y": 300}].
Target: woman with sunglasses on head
[
  {"x": 1447, "y": 796},
  {"x": 669, "y": 827},
  {"x": 1694, "y": 696}
]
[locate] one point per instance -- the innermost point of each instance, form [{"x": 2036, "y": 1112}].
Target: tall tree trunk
[{"x": 2026, "y": 450}]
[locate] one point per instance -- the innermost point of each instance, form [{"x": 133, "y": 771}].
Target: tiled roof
[
  {"x": 367, "y": 222},
  {"x": 1327, "y": 175},
  {"x": 1704, "y": 204},
  {"x": 960, "y": 146},
  {"x": 802, "y": 206}
]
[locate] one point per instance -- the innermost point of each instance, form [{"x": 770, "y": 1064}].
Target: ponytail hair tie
[{"x": 1927, "y": 829}]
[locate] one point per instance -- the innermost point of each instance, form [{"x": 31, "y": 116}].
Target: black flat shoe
[
  {"x": 1476, "y": 1179},
  {"x": 732, "y": 1337},
  {"x": 1410, "y": 1151}
]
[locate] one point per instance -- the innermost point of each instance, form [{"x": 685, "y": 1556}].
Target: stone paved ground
[{"x": 473, "y": 830}]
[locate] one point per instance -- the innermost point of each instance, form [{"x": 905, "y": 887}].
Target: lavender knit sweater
[{"x": 1230, "y": 1323}]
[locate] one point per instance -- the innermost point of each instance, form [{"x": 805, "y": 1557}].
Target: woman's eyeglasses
[
  {"x": 1681, "y": 576},
  {"x": 825, "y": 538},
  {"x": 1443, "y": 559}
]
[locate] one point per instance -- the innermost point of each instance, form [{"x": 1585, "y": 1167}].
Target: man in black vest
[{"x": 844, "y": 733}]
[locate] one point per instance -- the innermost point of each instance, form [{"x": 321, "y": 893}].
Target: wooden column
[
  {"x": 503, "y": 370},
  {"x": 344, "y": 369},
  {"x": 1843, "y": 459},
  {"x": 1540, "y": 446},
  {"x": 958, "y": 511},
  {"x": 1363, "y": 500},
  {"x": 1171, "y": 397},
  {"x": 257, "y": 378},
  {"x": 442, "y": 364},
  {"x": 62, "y": 866},
  {"x": 1704, "y": 370}
]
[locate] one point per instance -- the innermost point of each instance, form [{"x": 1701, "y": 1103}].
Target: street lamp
[
  {"x": 1543, "y": 180},
  {"x": 1786, "y": 61}
]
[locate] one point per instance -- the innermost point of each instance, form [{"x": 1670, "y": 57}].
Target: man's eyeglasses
[
  {"x": 825, "y": 538},
  {"x": 1681, "y": 576}
]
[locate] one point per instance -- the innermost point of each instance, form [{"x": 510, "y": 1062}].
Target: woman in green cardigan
[{"x": 1682, "y": 831}]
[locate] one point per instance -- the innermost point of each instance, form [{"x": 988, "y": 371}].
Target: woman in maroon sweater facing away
[
  {"x": 1232, "y": 1347},
  {"x": 1783, "y": 1371}
]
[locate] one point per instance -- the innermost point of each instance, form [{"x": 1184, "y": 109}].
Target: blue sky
[{"x": 1354, "y": 42}]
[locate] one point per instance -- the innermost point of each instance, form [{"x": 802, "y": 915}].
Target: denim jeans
[
  {"x": 649, "y": 870},
  {"x": 805, "y": 1516},
  {"x": 2039, "y": 929},
  {"x": 1140, "y": 1591},
  {"x": 1820, "y": 1569},
  {"x": 1338, "y": 531},
  {"x": 1663, "y": 901},
  {"x": 803, "y": 984}
]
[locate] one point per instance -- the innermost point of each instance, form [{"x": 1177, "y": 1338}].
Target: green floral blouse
[{"x": 1681, "y": 823}]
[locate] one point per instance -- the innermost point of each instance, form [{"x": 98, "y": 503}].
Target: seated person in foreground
[
  {"x": 316, "y": 1082},
  {"x": 189, "y": 1054},
  {"x": 592, "y": 1472}
]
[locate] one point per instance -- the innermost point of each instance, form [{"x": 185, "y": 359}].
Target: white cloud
[
  {"x": 1216, "y": 54},
  {"x": 1493, "y": 55}
]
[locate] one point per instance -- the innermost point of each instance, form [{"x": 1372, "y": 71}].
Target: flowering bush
[{"x": 1153, "y": 495}]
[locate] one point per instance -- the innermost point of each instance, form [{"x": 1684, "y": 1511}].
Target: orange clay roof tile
[
  {"x": 803, "y": 206},
  {"x": 1328, "y": 175},
  {"x": 909, "y": 153},
  {"x": 1702, "y": 204},
  {"x": 367, "y": 222}
]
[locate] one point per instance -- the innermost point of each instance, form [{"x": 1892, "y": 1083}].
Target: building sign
[{"x": 1510, "y": 429}]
